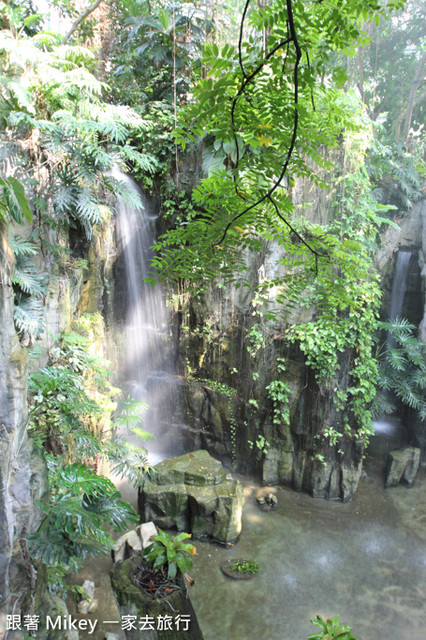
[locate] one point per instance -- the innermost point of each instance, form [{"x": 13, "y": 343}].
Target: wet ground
[{"x": 364, "y": 561}]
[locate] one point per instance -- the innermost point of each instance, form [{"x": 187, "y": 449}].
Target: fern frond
[
  {"x": 28, "y": 278},
  {"x": 126, "y": 191},
  {"x": 75, "y": 53},
  {"x": 419, "y": 377},
  {"x": 407, "y": 394},
  {"x": 65, "y": 199},
  {"x": 396, "y": 359},
  {"x": 29, "y": 315},
  {"x": 81, "y": 80},
  {"x": 143, "y": 161},
  {"x": 20, "y": 246},
  {"x": 128, "y": 461},
  {"x": 88, "y": 212},
  {"x": 382, "y": 405}
]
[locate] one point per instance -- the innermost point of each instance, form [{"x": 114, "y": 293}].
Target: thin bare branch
[{"x": 77, "y": 22}]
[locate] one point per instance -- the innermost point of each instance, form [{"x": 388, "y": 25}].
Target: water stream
[
  {"x": 399, "y": 283},
  {"x": 146, "y": 370}
]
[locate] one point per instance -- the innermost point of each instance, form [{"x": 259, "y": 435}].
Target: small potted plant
[
  {"x": 166, "y": 554},
  {"x": 151, "y": 584}
]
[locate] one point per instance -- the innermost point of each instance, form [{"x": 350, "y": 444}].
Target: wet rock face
[
  {"x": 22, "y": 473},
  {"x": 194, "y": 493},
  {"x": 402, "y": 466}
]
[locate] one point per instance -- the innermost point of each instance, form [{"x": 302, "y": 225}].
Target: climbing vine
[
  {"x": 279, "y": 394},
  {"x": 347, "y": 295}
]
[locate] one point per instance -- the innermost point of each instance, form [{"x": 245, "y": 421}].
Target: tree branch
[
  {"x": 80, "y": 19},
  {"x": 268, "y": 195}
]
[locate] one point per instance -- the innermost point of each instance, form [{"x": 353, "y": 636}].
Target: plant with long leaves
[
  {"x": 82, "y": 506},
  {"x": 331, "y": 629},
  {"x": 401, "y": 369},
  {"x": 170, "y": 552}
]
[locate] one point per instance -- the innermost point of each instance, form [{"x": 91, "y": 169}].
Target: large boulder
[
  {"x": 194, "y": 493},
  {"x": 402, "y": 466}
]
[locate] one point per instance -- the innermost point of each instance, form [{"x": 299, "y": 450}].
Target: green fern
[
  {"x": 30, "y": 287},
  {"x": 401, "y": 369},
  {"x": 21, "y": 246},
  {"x": 29, "y": 315},
  {"x": 81, "y": 508}
]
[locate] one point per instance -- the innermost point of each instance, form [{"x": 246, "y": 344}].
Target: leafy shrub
[
  {"x": 331, "y": 630},
  {"x": 170, "y": 552},
  {"x": 402, "y": 369},
  {"x": 80, "y": 508},
  {"x": 245, "y": 566}
]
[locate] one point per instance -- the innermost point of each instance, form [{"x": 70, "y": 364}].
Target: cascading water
[
  {"x": 146, "y": 363},
  {"x": 399, "y": 284},
  {"x": 387, "y": 426}
]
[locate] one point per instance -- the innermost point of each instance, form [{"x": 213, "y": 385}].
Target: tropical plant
[
  {"x": 82, "y": 506},
  {"x": 170, "y": 552},
  {"x": 401, "y": 369},
  {"x": 245, "y": 566},
  {"x": 30, "y": 287},
  {"x": 160, "y": 45},
  {"x": 49, "y": 90},
  {"x": 74, "y": 420},
  {"x": 74, "y": 414},
  {"x": 13, "y": 202},
  {"x": 331, "y": 629}
]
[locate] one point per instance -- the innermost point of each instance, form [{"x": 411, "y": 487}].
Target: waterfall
[
  {"x": 399, "y": 284},
  {"x": 145, "y": 364},
  {"x": 390, "y": 426}
]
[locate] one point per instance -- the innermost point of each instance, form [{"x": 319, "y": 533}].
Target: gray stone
[
  {"x": 213, "y": 507},
  {"x": 197, "y": 468},
  {"x": 126, "y": 545},
  {"x": 89, "y": 588},
  {"x": 402, "y": 466},
  {"x": 83, "y": 606},
  {"x": 133, "y": 542},
  {"x": 146, "y": 531},
  {"x": 89, "y": 603}
]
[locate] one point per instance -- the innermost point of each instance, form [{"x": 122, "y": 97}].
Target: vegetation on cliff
[{"x": 295, "y": 92}]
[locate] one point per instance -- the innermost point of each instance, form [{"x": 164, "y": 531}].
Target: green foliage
[
  {"x": 346, "y": 294},
  {"x": 261, "y": 443},
  {"x": 396, "y": 171},
  {"x": 160, "y": 47},
  {"x": 13, "y": 202},
  {"x": 230, "y": 392},
  {"x": 401, "y": 369},
  {"x": 255, "y": 339},
  {"x": 170, "y": 552},
  {"x": 215, "y": 385},
  {"x": 71, "y": 419},
  {"x": 30, "y": 287},
  {"x": 80, "y": 135},
  {"x": 279, "y": 393},
  {"x": 81, "y": 507},
  {"x": 250, "y": 109},
  {"x": 245, "y": 566},
  {"x": 73, "y": 410},
  {"x": 331, "y": 629}
]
